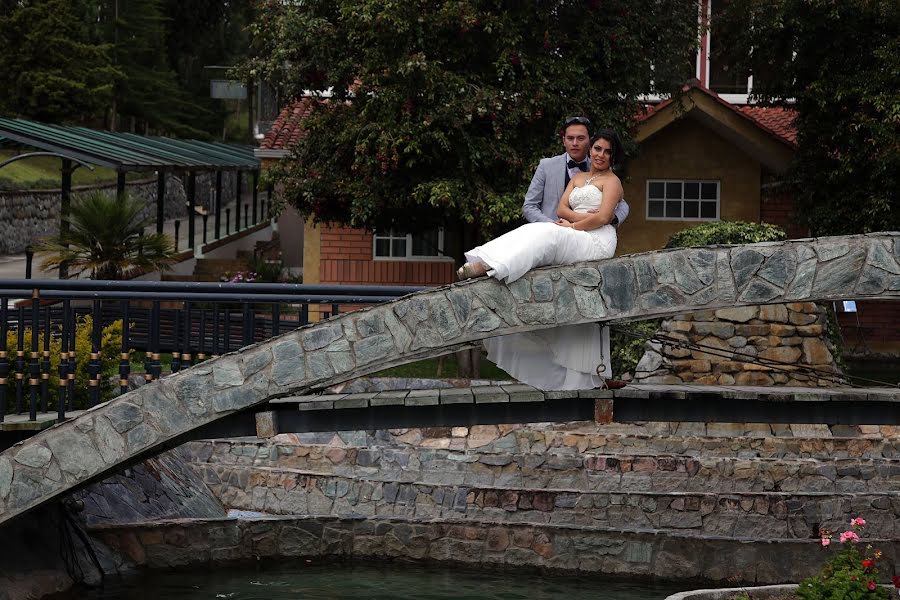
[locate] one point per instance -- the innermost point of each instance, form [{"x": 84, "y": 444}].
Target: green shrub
[
  {"x": 110, "y": 348},
  {"x": 726, "y": 232},
  {"x": 849, "y": 574},
  {"x": 626, "y": 342}
]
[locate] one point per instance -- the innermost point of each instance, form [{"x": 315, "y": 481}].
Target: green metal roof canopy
[{"x": 128, "y": 151}]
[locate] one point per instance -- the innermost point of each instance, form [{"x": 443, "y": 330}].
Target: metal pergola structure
[{"x": 124, "y": 152}]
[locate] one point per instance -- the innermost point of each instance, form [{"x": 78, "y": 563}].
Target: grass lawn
[{"x": 42, "y": 172}]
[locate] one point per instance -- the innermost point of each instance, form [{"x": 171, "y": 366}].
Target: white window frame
[
  {"x": 391, "y": 236},
  {"x": 698, "y": 218}
]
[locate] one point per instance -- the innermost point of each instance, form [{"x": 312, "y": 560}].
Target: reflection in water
[{"x": 370, "y": 581}]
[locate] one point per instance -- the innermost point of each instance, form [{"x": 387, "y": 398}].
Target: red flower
[
  {"x": 896, "y": 581},
  {"x": 871, "y": 586},
  {"x": 868, "y": 564}
]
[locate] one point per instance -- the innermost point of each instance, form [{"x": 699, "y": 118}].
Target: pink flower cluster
[
  {"x": 849, "y": 536},
  {"x": 239, "y": 277}
]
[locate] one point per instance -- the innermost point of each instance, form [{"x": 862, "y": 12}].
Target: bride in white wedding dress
[{"x": 564, "y": 357}]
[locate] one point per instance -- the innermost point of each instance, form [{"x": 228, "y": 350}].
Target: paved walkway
[{"x": 13, "y": 266}]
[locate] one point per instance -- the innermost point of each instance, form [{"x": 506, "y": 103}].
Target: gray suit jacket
[{"x": 547, "y": 187}]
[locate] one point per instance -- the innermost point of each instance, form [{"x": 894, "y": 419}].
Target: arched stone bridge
[{"x": 435, "y": 322}]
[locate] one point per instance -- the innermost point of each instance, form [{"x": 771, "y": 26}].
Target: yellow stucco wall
[
  {"x": 312, "y": 247},
  {"x": 686, "y": 149}
]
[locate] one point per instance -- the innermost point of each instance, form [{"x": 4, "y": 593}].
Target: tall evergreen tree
[
  {"x": 148, "y": 96},
  {"x": 53, "y": 65}
]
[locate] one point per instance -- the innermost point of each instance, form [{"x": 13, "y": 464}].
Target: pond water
[{"x": 370, "y": 581}]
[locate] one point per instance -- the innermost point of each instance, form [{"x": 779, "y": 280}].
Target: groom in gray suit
[{"x": 547, "y": 186}]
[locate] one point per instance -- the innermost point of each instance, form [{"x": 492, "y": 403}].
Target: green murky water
[{"x": 388, "y": 581}]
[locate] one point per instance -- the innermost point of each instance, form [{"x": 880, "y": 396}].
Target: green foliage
[
  {"x": 105, "y": 236},
  {"x": 53, "y": 65},
  {"x": 726, "y": 232},
  {"x": 843, "y": 578},
  {"x": 849, "y": 574},
  {"x": 626, "y": 343},
  {"x": 111, "y": 347},
  {"x": 148, "y": 93},
  {"x": 441, "y": 110},
  {"x": 847, "y": 166}
]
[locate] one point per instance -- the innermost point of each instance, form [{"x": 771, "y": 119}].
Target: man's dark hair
[{"x": 569, "y": 121}]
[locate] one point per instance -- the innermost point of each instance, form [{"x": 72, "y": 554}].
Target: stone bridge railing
[{"x": 435, "y": 322}]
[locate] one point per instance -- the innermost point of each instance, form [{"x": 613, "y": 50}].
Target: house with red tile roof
[{"x": 708, "y": 154}]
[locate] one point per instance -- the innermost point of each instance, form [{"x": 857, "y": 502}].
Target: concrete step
[
  {"x": 755, "y": 515},
  {"x": 589, "y": 471}
]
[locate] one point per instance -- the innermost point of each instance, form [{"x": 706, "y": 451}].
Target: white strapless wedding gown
[{"x": 564, "y": 357}]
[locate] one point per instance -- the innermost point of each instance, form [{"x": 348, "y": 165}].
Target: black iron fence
[{"x": 78, "y": 320}]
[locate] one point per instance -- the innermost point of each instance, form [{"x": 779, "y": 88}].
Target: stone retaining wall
[
  {"x": 792, "y": 336},
  {"x": 28, "y": 215},
  {"x": 589, "y": 472},
  {"x": 744, "y": 515},
  {"x": 612, "y": 551}
]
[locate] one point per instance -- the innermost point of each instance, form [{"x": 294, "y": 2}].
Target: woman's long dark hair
[{"x": 618, "y": 154}]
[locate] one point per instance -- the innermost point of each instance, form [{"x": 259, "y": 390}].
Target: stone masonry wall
[
  {"x": 792, "y": 336},
  {"x": 28, "y": 215},
  {"x": 631, "y": 554}
]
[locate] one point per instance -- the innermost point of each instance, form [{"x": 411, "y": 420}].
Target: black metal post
[
  {"x": 34, "y": 365},
  {"x": 201, "y": 348},
  {"x": 255, "y": 194},
  {"x": 45, "y": 363},
  {"x": 227, "y": 221},
  {"x": 205, "y": 219},
  {"x": 192, "y": 202},
  {"x": 246, "y": 216},
  {"x": 70, "y": 370},
  {"x": 215, "y": 339},
  {"x": 65, "y": 203},
  {"x": 125, "y": 356},
  {"x": 218, "y": 223},
  {"x": 94, "y": 367},
  {"x": 20, "y": 361},
  {"x": 160, "y": 200},
  {"x": 29, "y": 259},
  {"x": 176, "y": 353},
  {"x": 156, "y": 372},
  {"x": 237, "y": 197},
  {"x": 177, "y": 228},
  {"x": 276, "y": 319},
  {"x": 186, "y": 358},
  {"x": 247, "y": 329},
  {"x": 304, "y": 314},
  {"x": 63, "y": 363},
  {"x": 262, "y": 209},
  {"x": 120, "y": 186},
  {"x": 227, "y": 317},
  {"x": 4, "y": 361}
]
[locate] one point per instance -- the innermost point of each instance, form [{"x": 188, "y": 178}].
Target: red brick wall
[
  {"x": 777, "y": 207},
  {"x": 346, "y": 258},
  {"x": 878, "y": 328}
]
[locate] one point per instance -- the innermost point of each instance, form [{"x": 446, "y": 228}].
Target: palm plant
[{"x": 106, "y": 237}]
